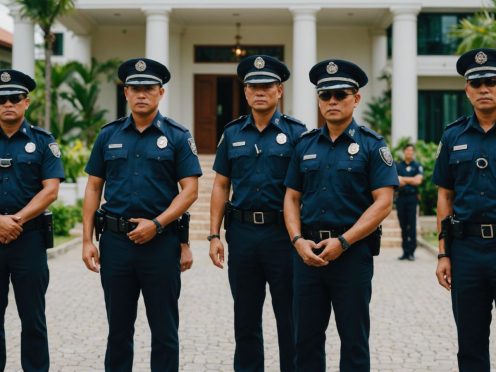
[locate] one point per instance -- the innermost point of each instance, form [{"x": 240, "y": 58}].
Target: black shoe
[
  {"x": 404, "y": 257},
  {"x": 411, "y": 257}
]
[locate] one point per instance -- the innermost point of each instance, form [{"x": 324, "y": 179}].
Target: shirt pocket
[
  {"x": 352, "y": 176},
  {"x": 28, "y": 168},
  {"x": 116, "y": 163},
  {"x": 240, "y": 161},
  {"x": 310, "y": 172},
  {"x": 159, "y": 163},
  {"x": 278, "y": 162},
  {"x": 461, "y": 165}
]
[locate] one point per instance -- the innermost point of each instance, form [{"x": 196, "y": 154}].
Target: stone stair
[{"x": 200, "y": 211}]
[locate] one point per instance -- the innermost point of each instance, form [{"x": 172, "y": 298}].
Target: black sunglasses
[
  {"x": 13, "y": 98},
  {"x": 326, "y": 95},
  {"x": 488, "y": 82}
]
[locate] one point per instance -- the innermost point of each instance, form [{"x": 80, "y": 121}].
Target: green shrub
[
  {"x": 74, "y": 157},
  {"x": 65, "y": 218}
]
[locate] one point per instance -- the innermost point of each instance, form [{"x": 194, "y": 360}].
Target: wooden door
[{"x": 205, "y": 113}]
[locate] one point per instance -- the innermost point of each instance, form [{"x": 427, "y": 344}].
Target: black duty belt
[
  {"x": 258, "y": 218},
  {"x": 122, "y": 225},
  {"x": 318, "y": 235},
  {"x": 482, "y": 230}
]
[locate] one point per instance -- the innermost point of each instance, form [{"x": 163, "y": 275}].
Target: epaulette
[
  {"x": 460, "y": 120},
  {"x": 175, "y": 124},
  {"x": 235, "y": 121},
  {"x": 370, "y": 132},
  {"x": 41, "y": 130},
  {"x": 118, "y": 121},
  {"x": 292, "y": 120},
  {"x": 310, "y": 131}
]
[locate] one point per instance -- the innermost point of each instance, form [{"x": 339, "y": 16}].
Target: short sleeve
[
  {"x": 441, "y": 175},
  {"x": 382, "y": 167},
  {"x": 293, "y": 176},
  {"x": 221, "y": 162},
  {"x": 187, "y": 163},
  {"x": 96, "y": 163},
  {"x": 52, "y": 164}
]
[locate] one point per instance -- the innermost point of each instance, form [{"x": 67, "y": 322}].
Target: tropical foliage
[{"x": 378, "y": 112}]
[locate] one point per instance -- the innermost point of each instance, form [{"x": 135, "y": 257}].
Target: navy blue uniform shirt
[
  {"x": 256, "y": 162},
  {"x": 141, "y": 170},
  {"x": 462, "y": 143},
  {"x": 35, "y": 157},
  {"x": 409, "y": 170},
  {"x": 336, "y": 179}
]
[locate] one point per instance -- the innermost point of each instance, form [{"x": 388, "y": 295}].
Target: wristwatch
[
  {"x": 213, "y": 236},
  {"x": 295, "y": 238},
  {"x": 344, "y": 243},
  {"x": 442, "y": 255},
  {"x": 160, "y": 228}
]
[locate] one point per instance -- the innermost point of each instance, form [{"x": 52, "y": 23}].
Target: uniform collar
[
  {"x": 24, "y": 129},
  {"x": 157, "y": 122},
  {"x": 275, "y": 121},
  {"x": 350, "y": 133},
  {"x": 473, "y": 123}
]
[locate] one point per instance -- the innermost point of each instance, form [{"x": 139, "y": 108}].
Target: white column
[
  {"x": 304, "y": 57},
  {"x": 404, "y": 76},
  {"x": 23, "y": 46},
  {"x": 379, "y": 61},
  {"x": 81, "y": 49},
  {"x": 157, "y": 43}
]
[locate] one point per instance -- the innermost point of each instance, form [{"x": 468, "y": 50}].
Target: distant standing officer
[
  {"x": 340, "y": 185},
  {"x": 465, "y": 172},
  {"x": 253, "y": 155},
  {"x": 30, "y": 175},
  {"x": 410, "y": 174},
  {"x": 140, "y": 160}
]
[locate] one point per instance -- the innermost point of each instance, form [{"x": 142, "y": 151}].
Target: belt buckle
[
  {"x": 324, "y": 234},
  {"x": 256, "y": 220},
  {"x": 122, "y": 225},
  {"x": 487, "y": 231},
  {"x": 5, "y": 163}
]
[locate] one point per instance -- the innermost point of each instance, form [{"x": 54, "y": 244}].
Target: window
[
  {"x": 5, "y": 64},
  {"x": 434, "y": 33},
  {"x": 436, "y": 109},
  {"x": 224, "y": 54},
  {"x": 58, "y": 44}
]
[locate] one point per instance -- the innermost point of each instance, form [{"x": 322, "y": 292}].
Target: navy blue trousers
[
  {"x": 154, "y": 270},
  {"x": 24, "y": 263},
  {"x": 345, "y": 286},
  {"x": 406, "y": 207},
  {"x": 473, "y": 293},
  {"x": 260, "y": 254}
]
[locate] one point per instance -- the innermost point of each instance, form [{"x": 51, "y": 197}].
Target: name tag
[
  {"x": 460, "y": 147},
  {"x": 238, "y": 144},
  {"x": 309, "y": 156},
  {"x": 115, "y": 146}
]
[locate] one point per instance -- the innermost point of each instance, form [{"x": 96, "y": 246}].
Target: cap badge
[
  {"x": 140, "y": 66},
  {"x": 162, "y": 142},
  {"x": 332, "y": 68},
  {"x": 259, "y": 63},
  {"x": 481, "y": 58},
  {"x": 281, "y": 138},
  {"x": 5, "y": 77},
  {"x": 30, "y": 147},
  {"x": 353, "y": 148}
]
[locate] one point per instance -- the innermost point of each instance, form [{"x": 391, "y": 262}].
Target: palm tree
[
  {"x": 44, "y": 13},
  {"x": 478, "y": 31}
]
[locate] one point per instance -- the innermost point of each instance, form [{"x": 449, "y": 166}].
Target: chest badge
[
  {"x": 281, "y": 138},
  {"x": 353, "y": 148},
  {"x": 30, "y": 147},
  {"x": 408, "y": 169},
  {"x": 162, "y": 142}
]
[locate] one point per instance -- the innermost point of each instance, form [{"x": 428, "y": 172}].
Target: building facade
[{"x": 195, "y": 38}]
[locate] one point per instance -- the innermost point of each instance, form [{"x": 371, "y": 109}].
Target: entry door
[{"x": 205, "y": 113}]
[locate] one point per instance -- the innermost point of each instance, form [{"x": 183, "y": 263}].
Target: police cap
[
  {"x": 477, "y": 64},
  {"x": 261, "y": 69},
  {"x": 15, "y": 82},
  {"x": 143, "y": 71},
  {"x": 337, "y": 74}
]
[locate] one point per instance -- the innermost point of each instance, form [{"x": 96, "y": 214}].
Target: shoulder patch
[
  {"x": 370, "y": 132},
  {"x": 175, "y": 124},
  {"x": 41, "y": 130},
  {"x": 293, "y": 120},
  {"x": 236, "y": 121},
  {"x": 118, "y": 121},
  {"x": 460, "y": 120},
  {"x": 310, "y": 131}
]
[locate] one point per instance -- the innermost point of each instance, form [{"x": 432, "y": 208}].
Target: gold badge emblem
[
  {"x": 5, "y": 77},
  {"x": 162, "y": 142},
  {"x": 259, "y": 63},
  {"x": 281, "y": 138},
  {"x": 30, "y": 147},
  {"x": 332, "y": 68},
  {"x": 481, "y": 58},
  {"x": 353, "y": 148},
  {"x": 140, "y": 66}
]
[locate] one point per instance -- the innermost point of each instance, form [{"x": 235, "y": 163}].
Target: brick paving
[{"x": 412, "y": 324}]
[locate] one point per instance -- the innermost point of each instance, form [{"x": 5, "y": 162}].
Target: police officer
[
  {"x": 465, "y": 172},
  {"x": 140, "y": 160},
  {"x": 253, "y": 155},
  {"x": 30, "y": 175},
  {"x": 340, "y": 185},
  {"x": 410, "y": 174}
]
